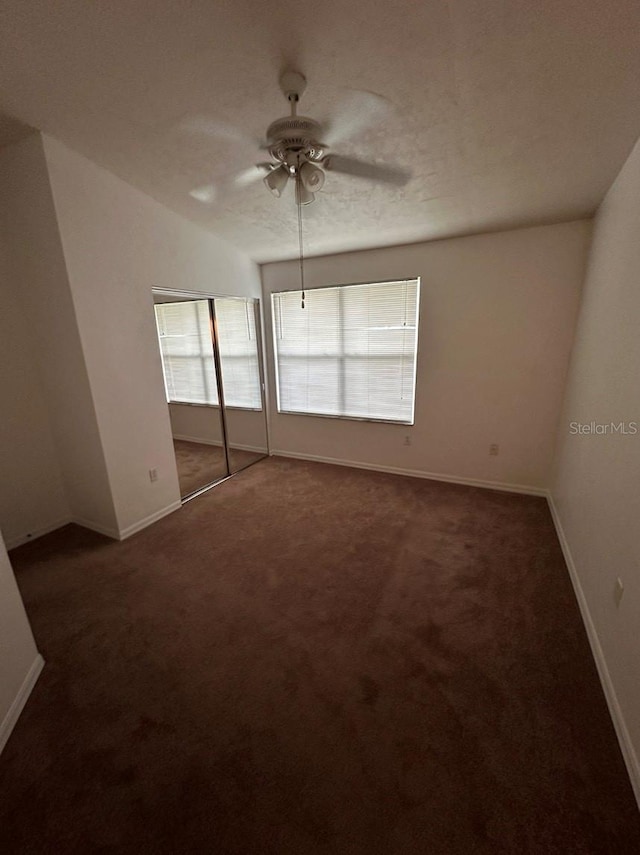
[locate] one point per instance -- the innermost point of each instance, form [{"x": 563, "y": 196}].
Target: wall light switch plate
[{"x": 153, "y": 474}]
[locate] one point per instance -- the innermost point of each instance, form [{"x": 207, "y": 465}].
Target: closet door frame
[
  {"x": 218, "y": 367},
  {"x": 211, "y": 298}
]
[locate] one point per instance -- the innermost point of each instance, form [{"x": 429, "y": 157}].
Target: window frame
[{"x": 373, "y": 420}]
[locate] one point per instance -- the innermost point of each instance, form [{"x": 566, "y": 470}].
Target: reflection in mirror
[
  {"x": 237, "y": 329},
  {"x": 186, "y": 347}
]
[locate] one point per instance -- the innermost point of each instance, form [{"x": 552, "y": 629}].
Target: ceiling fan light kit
[
  {"x": 304, "y": 196},
  {"x": 277, "y": 179},
  {"x": 312, "y": 176}
]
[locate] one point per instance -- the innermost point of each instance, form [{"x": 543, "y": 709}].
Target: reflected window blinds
[
  {"x": 236, "y": 320},
  {"x": 184, "y": 333}
]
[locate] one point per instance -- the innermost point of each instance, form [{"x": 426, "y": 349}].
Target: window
[
  {"x": 351, "y": 352},
  {"x": 187, "y": 352},
  {"x": 184, "y": 331}
]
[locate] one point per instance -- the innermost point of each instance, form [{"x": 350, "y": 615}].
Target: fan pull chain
[{"x": 300, "y": 237}]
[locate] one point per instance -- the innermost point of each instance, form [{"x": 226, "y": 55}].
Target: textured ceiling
[
  {"x": 508, "y": 112},
  {"x": 11, "y": 130}
]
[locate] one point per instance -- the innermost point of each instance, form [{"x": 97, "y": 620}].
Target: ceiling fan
[{"x": 301, "y": 149}]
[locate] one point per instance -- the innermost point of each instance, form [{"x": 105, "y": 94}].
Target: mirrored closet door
[
  {"x": 214, "y": 384},
  {"x": 237, "y": 324}
]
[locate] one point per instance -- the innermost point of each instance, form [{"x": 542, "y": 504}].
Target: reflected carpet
[{"x": 199, "y": 464}]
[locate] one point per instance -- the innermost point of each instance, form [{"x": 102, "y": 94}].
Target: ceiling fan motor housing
[{"x": 295, "y": 135}]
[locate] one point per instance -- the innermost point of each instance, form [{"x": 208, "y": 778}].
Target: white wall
[
  {"x": 36, "y": 277},
  {"x": 497, "y": 315},
  {"x": 20, "y": 662},
  {"x": 32, "y": 497},
  {"x": 118, "y": 245},
  {"x": 196, "y": 423},
  {"x": 596, "y": 489}
]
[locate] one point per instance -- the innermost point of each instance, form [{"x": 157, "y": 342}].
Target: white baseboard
[
  {"x": 197, "y": 439},
  {"x": 10, "y": 719},
  {"x": 94, "y": 526},
  {"x": 622, "y": 732},
  {"x": 143, "y": 523},
  {"x": 417, "y": 473},
  {"x": 20, "y": 539},
  {"x": 12, "y": 543},
  {"x": 113, "y": 533}
]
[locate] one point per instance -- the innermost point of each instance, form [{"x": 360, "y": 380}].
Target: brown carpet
[
  {"x": 314, "y": 660},
  {"x": 199, "y": 464}
]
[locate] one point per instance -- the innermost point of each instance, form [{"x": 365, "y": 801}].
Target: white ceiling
[
  {"x": 509, "y": 112},
  {"x": 11, "y": 130}
]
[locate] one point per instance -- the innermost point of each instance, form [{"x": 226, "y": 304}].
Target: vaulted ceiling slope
[{"x": 507, "y": 112}]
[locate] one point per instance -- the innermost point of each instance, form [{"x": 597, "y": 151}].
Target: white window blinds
[
  {"x": 187, "y": 352},
  {"x": 350, "y": 352},
  {"x": 237, "y": 341},
  {"x": 184, "y": 332}
]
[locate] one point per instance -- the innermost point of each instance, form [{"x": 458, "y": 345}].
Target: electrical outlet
[
  {"x": 407, "y": 440},
  {"x": 153, "y": 474},
  {"x": 494, "y": 449},
  {"x": 618, "y": 591}
]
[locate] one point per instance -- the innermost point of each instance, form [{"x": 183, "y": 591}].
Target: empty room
[{"x": 320, "y": 433}]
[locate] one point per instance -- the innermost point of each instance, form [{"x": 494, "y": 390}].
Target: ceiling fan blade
[
  {"x": 206, "y": 194},
  {"x": 371, "y": 171},
  {"x": 209, "y": 193},
  {"x": 221, "y": 130},
  {"x": 358, "y": 112},
  {"x": 252, "y": 174}
]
